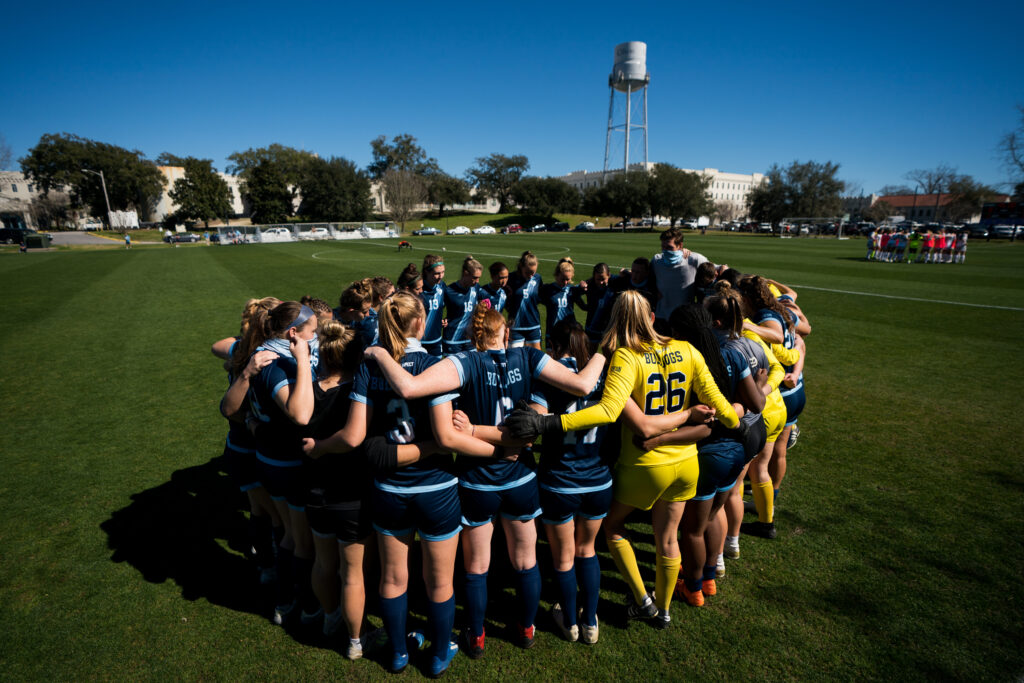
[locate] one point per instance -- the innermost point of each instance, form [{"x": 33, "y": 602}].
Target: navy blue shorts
[
  {"x": 795, "y": 403},
  {"x": 559, "y": 506},
  {"x": 520, "y": 503},
  {"x": 524, "y": 336},
  {"x": 434, "y": 349},
  {"x": 284, "y": 483},
  {"x": 720, "y": 464},
  {"x": 242, "y": 467},
  {"x": 348, "y": 522},
  {"x": 435, "y": 514}
]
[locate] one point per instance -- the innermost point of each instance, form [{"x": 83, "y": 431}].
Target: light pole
[{"x": 103, "y": 181}]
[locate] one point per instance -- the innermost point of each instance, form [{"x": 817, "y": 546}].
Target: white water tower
[{"x": 629, "y": 76}]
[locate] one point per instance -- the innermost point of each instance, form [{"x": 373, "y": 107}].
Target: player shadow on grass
[{"x": 192, "y": 530}]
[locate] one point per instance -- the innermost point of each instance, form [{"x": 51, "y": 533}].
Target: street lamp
[{"x": 103, "y": 181}]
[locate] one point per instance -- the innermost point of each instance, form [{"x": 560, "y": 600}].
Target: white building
[
  {"x": 732, "y": 188},
  {"x": 17, "y": 197}
]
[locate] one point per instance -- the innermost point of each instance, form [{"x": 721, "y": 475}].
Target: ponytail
[
  {"x": 486, "y": 325},
  {"x": 692, "y": 323},
  {"x": 397, "y": 320},
  {"x": 254, "y": 321}
]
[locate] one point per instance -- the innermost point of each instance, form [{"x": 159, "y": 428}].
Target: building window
[
  {"x": 14, "y": 188},
  {"x": 29, "y": 188}
]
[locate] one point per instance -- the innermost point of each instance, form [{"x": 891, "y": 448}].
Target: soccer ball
[{"x": 444, "y": 248}]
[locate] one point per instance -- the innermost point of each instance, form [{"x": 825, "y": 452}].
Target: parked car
[
  {"x": 978, "y": 231},
  {"x": 560, "y": 226},
  {"x": 540, "y": 227},
  {"x": 628, "y": 224},
  {"x": 426, "y": 231},
  {"x": 764, "y": 227},
  {"x": 1003, "y": 231},
  {"x": 484, "y": 230},
  {"x": 511, "y": 229},
  {"x": 319, "y": 234},
  {"x": 185, "y": 237},
  {"x": 664, "y": 223},
  {"x": 585, "y": 226},
  {"x": 459, "y": 230}
]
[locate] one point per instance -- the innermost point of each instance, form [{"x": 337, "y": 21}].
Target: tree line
[{"x": 335, "y": 189}]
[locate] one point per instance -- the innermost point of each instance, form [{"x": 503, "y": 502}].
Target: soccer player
[
  {"x": 524, "y": 316},
  {"x": 433, "y": 303},
  {"x": 561, "y": 296},
  {"x": 597, "y": 287},
  {"x": 460, "y": 298},
  {"x": 491, "y": 380},
  {"x": 497, "y": 288},
  {"x": 664, "y": 377},
  {"x": 281, "y": 398}
]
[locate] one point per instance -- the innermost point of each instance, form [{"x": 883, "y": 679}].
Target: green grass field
[{"x": 899, "y": 553}]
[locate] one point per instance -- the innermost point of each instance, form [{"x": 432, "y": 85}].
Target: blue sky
[{"x": 880, "y": 88}]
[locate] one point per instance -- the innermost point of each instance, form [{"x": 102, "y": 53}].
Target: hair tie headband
[{"x": 305, "y": 313}]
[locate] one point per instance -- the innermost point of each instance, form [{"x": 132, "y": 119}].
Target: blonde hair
[
  {"x": 486, "y": 324},
  {"x": 337, "y": 352},
  {"x": 356, "y": 294},
  {"x": 471, "y": 265},
  {"x": 565, "y": 266},
  {"x": 252, "y": 334},
  {"x": 398, "y": 316},
  {"x": 631, "y": 325},
  {"x": 527, "y": 260}
]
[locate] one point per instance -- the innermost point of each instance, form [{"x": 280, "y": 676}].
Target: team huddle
[
  {"x": 896, "y": 245},
  {"x": 424, "y": 409}
]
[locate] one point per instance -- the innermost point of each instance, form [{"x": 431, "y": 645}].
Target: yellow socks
[
  {"x": 625, "y": 560},
  {"x": 666, "y": 574},
  {"x": 764, "y": 499}
]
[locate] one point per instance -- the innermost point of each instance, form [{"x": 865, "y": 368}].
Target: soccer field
[{"x": 899, "y": 553}]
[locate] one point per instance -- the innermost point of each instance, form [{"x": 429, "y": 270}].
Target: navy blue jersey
[
  {"x": 496, "y": 380},
  {"x": 572, "y": 464},
  {"x": 497, "y": 295},
  {"x": 768, "y": 314},
  {"x": 402, "y": 421},
  {"x": 459, "y": 303},
  {"x": 593, "y": 302},
  {"x": 737, "y": 367},
  {"x": 341, "y": 476},
  {"x": 522, "y": 302},
  {"x": 239, "y": 438},
  {"x": 617, "y": 285},
  {"x": 560, "y": 303},
  {"x": 278, "y": 443},
  {"x": 433, "y": 302}
]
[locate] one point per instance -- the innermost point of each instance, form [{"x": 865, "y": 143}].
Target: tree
[
  {"x": 879, "y": 211},
  {"x": 404, "y": 190},
  {"x": 628, "y": 195},
  {"x": 403, "y": 153},
  {"x": 51, "y": 211},
  {"x": 268, "y": 193},
  {"x": 445, "y": 190},
  {"x": 334, "y": 190},
  {"x": 933, "y": 181},
  {"x": 966, "y": 198},
  {"x": 1011, "y": 148},
  {"x": 132, "y": 181},
  {"x": 801, "y": 190},
  {"x": 168, "y": 159},
  {"x": 545, "y": 196},
  {"x": 891, "y": 190},
  {"x": 681, "y": 194},
  {"x": 278, "y": 163},
  {"x": 201, "y": 194},
  {"x": 727, "y": 211},
  {"x": 494, "y": 176}
]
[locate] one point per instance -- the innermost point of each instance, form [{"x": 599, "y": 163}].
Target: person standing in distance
[{"x": 674, "y": 269}]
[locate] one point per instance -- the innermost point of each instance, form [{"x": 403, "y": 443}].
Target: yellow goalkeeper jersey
[{"x": 662, "y": 380}]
